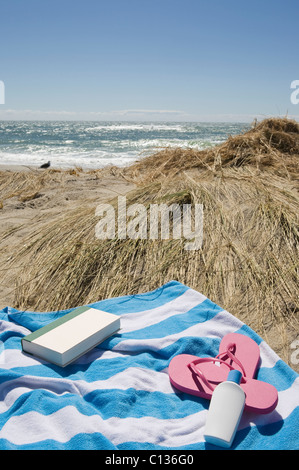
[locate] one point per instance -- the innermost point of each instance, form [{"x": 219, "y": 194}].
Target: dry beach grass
[{"x": 248, "y": 263}]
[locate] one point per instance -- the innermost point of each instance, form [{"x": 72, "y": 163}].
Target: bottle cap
[{"x": 234, "y": 376}]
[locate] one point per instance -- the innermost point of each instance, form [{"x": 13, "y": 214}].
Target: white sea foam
[
  {"x": 98, "y": 144},
  {"x": 134, "y": 127}
]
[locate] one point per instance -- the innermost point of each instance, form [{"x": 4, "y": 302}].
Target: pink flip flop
[{"x": 199, "y": 376}]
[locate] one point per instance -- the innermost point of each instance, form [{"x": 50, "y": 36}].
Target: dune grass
[{"x": 272, "y": 143}]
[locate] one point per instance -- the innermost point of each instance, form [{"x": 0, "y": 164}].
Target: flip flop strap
[
  {"x": 228, "y": 352},
  {"x": 199, "y": 372}
]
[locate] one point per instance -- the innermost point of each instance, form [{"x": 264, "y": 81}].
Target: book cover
[{"x": 69, "y": 337}]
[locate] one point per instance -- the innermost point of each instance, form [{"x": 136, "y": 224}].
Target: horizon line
[{"x": 133, "y": 115}]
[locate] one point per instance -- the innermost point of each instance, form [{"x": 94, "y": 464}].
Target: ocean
[{"x": 88, "y": 144}]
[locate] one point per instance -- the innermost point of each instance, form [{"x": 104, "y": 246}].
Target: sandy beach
[
  {"x": 22, "y": 217},
  {"x": 50, "y": 259}
]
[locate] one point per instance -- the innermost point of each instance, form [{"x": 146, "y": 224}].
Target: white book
[{"x": 67, "y": 338}]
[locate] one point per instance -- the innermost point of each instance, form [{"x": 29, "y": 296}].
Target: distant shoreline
[{"x": 7, "y": 167}]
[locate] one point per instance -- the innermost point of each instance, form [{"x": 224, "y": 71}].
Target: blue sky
[{"x": 176, "y": 60}]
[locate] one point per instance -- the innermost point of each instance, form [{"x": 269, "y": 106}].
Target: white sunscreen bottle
[{"x": 225, "y": 411}]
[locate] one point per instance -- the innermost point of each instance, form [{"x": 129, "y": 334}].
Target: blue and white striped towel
[{"x": 118, "y": 396}]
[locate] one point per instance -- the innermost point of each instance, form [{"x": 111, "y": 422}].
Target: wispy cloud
[
  {"x": 149, "y": 112},
  {"x": 127, "y": 115},
  {"x": 130, "y": 114}
]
